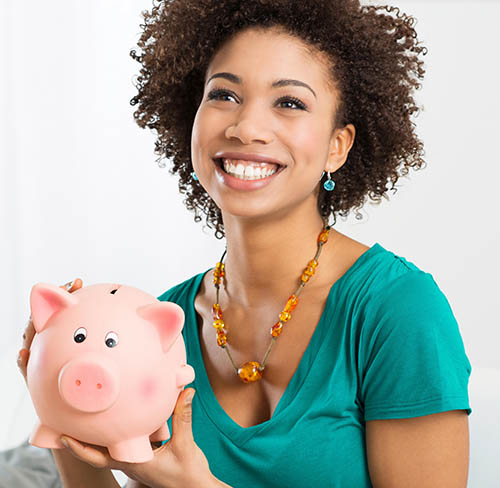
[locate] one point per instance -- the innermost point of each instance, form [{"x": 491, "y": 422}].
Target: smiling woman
[
  {"x": 369, "y": 59},
  {"x": 320, "y": 361}
]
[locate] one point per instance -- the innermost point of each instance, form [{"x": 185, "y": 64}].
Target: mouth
[{"x": 248, "y": 170}]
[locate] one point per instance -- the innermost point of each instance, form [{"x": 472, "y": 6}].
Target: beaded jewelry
[{"x": 253, "y": 370}]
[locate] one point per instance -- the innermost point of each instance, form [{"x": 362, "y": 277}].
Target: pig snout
[{"x": 89, "y": 384}]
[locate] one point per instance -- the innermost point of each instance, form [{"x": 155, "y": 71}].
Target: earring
[
  {"x": 329, "y": 184},
  {"x": 194, "y": 176}
]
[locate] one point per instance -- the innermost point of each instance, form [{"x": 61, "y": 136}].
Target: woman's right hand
[{"x": 29, "y": 332}]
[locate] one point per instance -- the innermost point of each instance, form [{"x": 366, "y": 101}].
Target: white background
[{"x": 82, "y": 196}]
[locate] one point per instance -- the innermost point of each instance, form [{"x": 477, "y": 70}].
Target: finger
[
  {"x": 182, "y": 431},
  {"x": 96, "y": 456},
  {"x": 72, "y": 286},
  {"x": 28, "y": 334},
  {"x": 22, "y": 361}
]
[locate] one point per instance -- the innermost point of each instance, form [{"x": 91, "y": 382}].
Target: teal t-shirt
[{"x": 387, "y": 346}]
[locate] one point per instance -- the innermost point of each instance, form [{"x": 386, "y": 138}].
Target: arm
[
  {"x": 78, "y": 474},
  {"x": 430, "y": 451}
]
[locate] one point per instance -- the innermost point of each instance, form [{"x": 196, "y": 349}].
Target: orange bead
[
  {"x": 221, "y": 338},
  {"x": 276, "y": 329},
  {"x": 285, "y": 316},
  {"x": 216, "y": 311},
  {"x": 218, "y": 324},
  {"x": 218, "y": 273},
  {"x": 250, "y": 372},
  {"x": 309, "y": 271},
  {"x": 312, "y": 263},
  {"x": 291, "y": 304},
  {"x": 323, "y": 237},
  {"x": 304, "y": 278}
]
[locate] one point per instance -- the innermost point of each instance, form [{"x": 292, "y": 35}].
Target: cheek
[
  {"x": 201, "y": 134},
  {"x": 148, "y": 388},
  {"x": 307, "y": 139}
]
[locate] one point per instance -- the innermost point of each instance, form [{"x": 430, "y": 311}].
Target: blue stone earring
[
  {"x": 329, "y": 184},
  {"x": 194, "y": 176}
]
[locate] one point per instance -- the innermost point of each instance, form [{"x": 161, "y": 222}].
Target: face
[{"x": 246, "y": 110}]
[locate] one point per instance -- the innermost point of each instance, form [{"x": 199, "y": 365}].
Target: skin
[{"x": 271, "y": 235}]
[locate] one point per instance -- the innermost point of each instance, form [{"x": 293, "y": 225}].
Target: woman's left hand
[{"x": 179, "y": 462}]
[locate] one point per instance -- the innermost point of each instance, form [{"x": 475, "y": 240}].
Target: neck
[{"x": 265, "y": 257}]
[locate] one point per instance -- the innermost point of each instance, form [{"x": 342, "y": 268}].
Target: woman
[{"x": 332, "y": 363}]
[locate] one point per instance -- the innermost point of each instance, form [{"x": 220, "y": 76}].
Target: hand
[
  {"x": 29, "y": 332},
  {"x": 178, "y": 463}
]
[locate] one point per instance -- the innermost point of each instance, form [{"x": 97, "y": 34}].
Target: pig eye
[
  {"x": 111, "y": 339},
  {"x": 80, "y": 335}
]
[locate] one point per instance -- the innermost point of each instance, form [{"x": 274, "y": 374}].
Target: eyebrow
[{"x": 275, "y": 84}]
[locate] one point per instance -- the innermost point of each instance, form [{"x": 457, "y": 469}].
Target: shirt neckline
[{"x": 205, "y": 394}]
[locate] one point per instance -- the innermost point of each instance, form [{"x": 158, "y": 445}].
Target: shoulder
[
  {"x": 397, "y": 300},
  {"x": 183, "y": 290},
  {"x": 376, "y": 277},
  {"x": 396, "y": 285}
]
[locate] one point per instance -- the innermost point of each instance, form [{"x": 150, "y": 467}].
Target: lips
[
  {"x": 245, "y": 183},
  {"x": 248, "y": 170},
  {"x": 248, "y": 157}
]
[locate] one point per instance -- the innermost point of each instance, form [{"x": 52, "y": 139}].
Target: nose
[
  {"x": 251, "y": 125},
  {"x": 89, "y": 384}
]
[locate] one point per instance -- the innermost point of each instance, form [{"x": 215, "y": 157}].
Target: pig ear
[
  {"x": 46, "y": 300},
  {"x": 167, "y": 317}
]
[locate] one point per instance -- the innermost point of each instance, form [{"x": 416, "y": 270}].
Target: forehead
[{"x": 261, "y": 55}]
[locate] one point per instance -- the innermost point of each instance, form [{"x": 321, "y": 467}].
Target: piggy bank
[{"x": 106, "y": 367}]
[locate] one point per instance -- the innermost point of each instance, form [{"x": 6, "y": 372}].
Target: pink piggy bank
[{"x": 106, "y": 366}]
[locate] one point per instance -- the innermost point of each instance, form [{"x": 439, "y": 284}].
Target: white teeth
[
  {"x": 249, "y": 171},
  {"x": 239, "y": 170}
]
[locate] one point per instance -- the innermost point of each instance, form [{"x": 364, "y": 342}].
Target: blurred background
[{"x": 81, "y": 193}]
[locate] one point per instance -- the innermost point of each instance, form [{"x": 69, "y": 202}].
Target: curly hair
[{"x": 374, "y": 54}]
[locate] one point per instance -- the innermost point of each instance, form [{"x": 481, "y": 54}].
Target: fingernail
[{"x": 64, "y": 442}]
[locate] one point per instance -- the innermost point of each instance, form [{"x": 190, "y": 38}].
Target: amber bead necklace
[{"x": 253, "y": 370}]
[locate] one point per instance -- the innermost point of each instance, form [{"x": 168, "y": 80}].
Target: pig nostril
[
  {"x": 99, "y": 386},
  {"x": 78, "y": 383}
]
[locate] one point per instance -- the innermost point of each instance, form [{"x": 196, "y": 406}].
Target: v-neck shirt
[{"x": 387, "y": 345}]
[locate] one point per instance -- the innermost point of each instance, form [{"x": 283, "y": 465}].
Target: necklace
[{"x": 253, "y": 370}]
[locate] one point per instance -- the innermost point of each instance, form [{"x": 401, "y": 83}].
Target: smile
[{"x": 247, "y": 170}]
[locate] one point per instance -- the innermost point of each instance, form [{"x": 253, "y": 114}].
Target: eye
[
  {"x": 111, "y": 339},
  {"x": 293, "y": 100},
  {"x": 80, "y": 335},
  {"x": 217, "y": 93}
]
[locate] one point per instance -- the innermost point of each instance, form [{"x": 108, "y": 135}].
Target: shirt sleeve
[{"x": 412, "y": 358}]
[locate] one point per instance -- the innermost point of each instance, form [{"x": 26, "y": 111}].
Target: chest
[{"x": 253, "y": 403}]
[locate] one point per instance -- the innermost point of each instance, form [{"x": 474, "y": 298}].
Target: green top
[{"x": 387, "y": 346}]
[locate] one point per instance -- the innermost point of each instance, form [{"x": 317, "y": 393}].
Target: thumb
[{"x": 181, "y": 420}]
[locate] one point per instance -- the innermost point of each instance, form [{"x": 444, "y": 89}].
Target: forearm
[{"x": 78, "y": 474}]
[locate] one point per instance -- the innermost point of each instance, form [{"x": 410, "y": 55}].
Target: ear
[
  {"x": 46, "y": 300},
  {"x": 167, "y": 317},
  {"x": 340, "y": 145}
]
